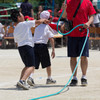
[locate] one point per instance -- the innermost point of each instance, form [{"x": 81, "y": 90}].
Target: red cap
[
  {"x": 60, "y": 11},
  {"x": 50, "y": 16},
  {"x": 28, "y": 18},
  {"x": 49, "y": 11},
  {"x": 55, "y": 19}
]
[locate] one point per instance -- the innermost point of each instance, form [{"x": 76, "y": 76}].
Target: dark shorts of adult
[
  {"x": 75, "y": 45},
  {"x": 41, "y": 56},
  {"x": 27, "y": 55}
]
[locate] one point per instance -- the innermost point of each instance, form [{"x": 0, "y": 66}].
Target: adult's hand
[
  {"x": 86, "y": 25},
  {"x": 64, "y": 6}
]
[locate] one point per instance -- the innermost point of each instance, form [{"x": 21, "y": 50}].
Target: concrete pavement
[{"x": 11, "y": 66}]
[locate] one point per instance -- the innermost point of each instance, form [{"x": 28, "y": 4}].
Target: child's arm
[
  {"x": 38, "y": 22},
  {"x": 34, "y": 23},
  {"x": 53, "y": 47}
]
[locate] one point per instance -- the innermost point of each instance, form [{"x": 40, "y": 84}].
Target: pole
[
  {"x": 45, "y": 4},
  {"x": 53, "y": 4}
]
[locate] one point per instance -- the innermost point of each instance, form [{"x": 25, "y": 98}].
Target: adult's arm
[
  {"x": 32, "y": 13},
  {"x": 64, "y": 7},
  {"x": 91, "y": 12},
  {"x": 87, "y": 25}
]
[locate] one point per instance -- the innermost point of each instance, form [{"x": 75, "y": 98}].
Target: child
[
  {"x": 23, "y": 38},
  {"x": 2, "y": 32},
  {"x": 41, "y": 36}
]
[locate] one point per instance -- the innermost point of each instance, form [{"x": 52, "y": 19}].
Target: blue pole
[
  {"x": 15, "y": 0},
  {"x": 53, "y": 4},
  {"x": 45, "y": 4},
  {"x": 98, "y": 4}
]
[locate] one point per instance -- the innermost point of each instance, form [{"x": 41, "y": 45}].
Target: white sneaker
[
  {"x": 22, "y": 84},
  {"x": 30, "y": 81},
  {"x": 50, "y": 81}
]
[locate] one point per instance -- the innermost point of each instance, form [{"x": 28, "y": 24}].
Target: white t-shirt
[
  {"x": 42, "y": 34},
  {"x": 96, "y": 18},
  {"x": 23, "y": 34},
  {"x": 1, "y": 28}
]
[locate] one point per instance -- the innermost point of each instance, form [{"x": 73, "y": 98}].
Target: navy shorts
[
  {"x": 41, "y": 56},
  {"x": 75, "y": 45},
  {"x": 27, "y": 55}
]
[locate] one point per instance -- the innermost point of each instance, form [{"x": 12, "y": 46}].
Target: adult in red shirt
[{"x": 76, "y": 38}]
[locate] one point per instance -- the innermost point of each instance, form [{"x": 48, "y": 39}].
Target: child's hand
[
  {"x": 53, "y": 54},
  {"x": 44, "y": 21},
  {"x": 38, "y": 22}
]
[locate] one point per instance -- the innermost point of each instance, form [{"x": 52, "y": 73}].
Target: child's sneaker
[
  {"x": 18, "y": 87},
  {"x": 50, "y": 81},
  {"x": 30, "y": 81},
  {"x": 22, "y": 84}
]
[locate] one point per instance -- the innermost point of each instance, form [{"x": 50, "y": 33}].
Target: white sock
[
  {"x": 31, "y": 75},
  {"x": 84, "y": 76},
  {"x": 74, "y": 77},
  {"x": 49, "y": 77}
]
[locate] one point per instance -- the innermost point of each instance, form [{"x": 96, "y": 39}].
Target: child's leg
[
  {"x": 48, "y": 69},
  {"x": 26, "y": 72},
  {"x": 49, "y": 79},
  {"x": 30, "y": 80},
  {"x": 24, "y": 75},
  {"x": 31, "y": 75},
  {"x": 27, "y": 56}
]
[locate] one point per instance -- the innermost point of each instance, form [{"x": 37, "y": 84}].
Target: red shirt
[
  {"x": 86, "y": 9},
  {"x": 54, "y": 26}
]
